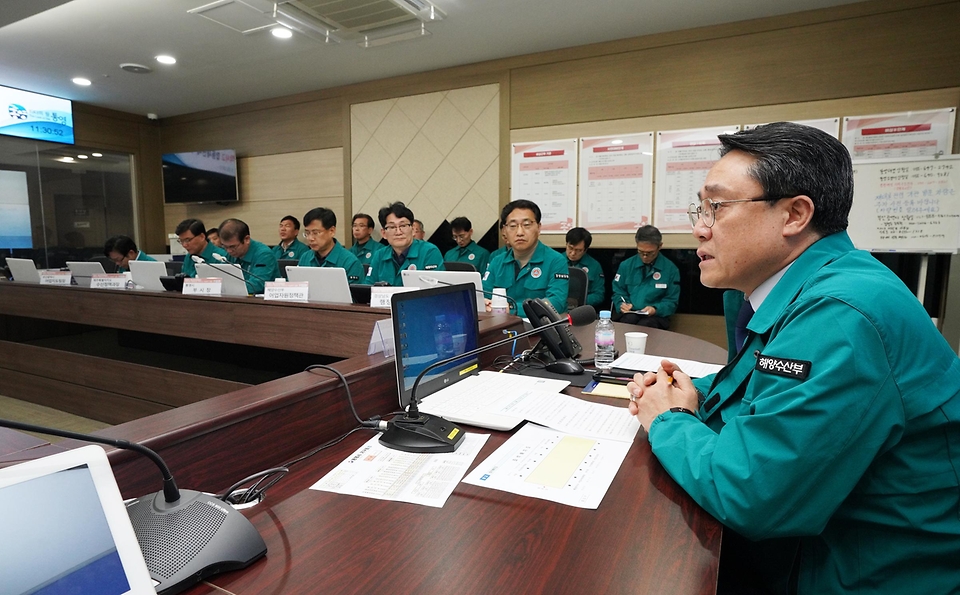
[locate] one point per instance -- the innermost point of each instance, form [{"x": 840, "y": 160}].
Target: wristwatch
[{"x": 682, "y": 410}]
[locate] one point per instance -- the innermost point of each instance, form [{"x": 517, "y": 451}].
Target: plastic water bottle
[{"x": 604, "y": 339}]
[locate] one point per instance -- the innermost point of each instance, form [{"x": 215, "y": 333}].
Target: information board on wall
[
  {"x": 829, "y": 125},
  {"x": 616, "y": 183},
  {"x": 546, "y": 173},
  {"x": 905, "y": 134},
  {"x": 906, "y": 205},
  {"x": 683, "y": 159}
]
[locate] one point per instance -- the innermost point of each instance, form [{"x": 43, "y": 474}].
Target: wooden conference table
[{"x": 647, "y": 536}]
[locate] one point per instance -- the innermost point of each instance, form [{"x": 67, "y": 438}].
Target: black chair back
[
  {"x": 453, "y": 265},
  {"x": 577, "y": 295},
  {"x": 283, "y": 263}
]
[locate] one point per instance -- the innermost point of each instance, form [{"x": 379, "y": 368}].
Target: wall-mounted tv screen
[
  {"x": 35, "y": 116},
  {"x": 201, "y": 176}
]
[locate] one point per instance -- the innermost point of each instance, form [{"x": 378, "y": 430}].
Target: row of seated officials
[{"x": 646, "y": 288}]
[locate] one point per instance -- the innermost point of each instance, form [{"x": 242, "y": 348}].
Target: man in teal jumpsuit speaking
[
  {"x": 320, "y": 230},
  {"x": 256, "y": 260},
  {"x": 829, "y": 446},
  {"x": 404, "y": 252},
  {"x": 578, "y": 242},
  {"x": 467, "y": 250},
  {"x": 192, "y": 235},
  {"x": 529, "y": 269},
  {"x": 364, "y": 246},
  {"x": 647, "y": 286}
]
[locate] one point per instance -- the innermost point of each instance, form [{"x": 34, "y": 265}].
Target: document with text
[
  {"x": 574, "y": 416},
  {"x": 644, "y": 362}
]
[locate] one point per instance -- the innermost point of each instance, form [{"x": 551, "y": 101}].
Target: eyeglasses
[
  {"x": 403, "y": 227},
  {"x": 707, "y": 209},
  {"x": 644, "y": 254},
  {"x": 230, "y": 247},
  {"x": 313, "y": 233},
  {"x": 526, "y": 224},
  {"x": 185, "y": 241},
  {"x": 460, "y": 236}
]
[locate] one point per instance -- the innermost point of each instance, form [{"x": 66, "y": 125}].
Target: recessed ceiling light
[
  {"x": 163, "y": 59},
  {"x": 97, "y": 154},
  {"x": 67, "y": 159},
  {"x": 82, "y": 157},
  {"x": 81, "y": 81},
  {"x": 281, "y": 32}
]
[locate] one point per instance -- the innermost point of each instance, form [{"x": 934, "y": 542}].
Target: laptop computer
[
  {"x": 66, "y": 529},
  {"x": 434, "y": 324},
  {"x": 425, "y": 279},
  {"x": 325, "y": 284},
  {"x": 146, "y": 274},
  {"x": 232, "y": 276},
  {"x": 84, "y": 271},
  {"x": 23, "y": 270}
]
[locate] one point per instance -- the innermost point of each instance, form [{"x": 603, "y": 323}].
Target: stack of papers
[{"x": 644, "y": 362}]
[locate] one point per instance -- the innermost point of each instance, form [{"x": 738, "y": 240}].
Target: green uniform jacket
[
  {"x": 141, "y": 256},
  {"x": 259, "y": 266},
  {"x": 545, "y": 276},
  {"x": 365, "y": 253},
  {"x": 339, "y": 257},
  {"x": 858, "y": 459},
  {"x": 189, "y": 269},
  {"x": 596, "y": 288},
  {"x": 659, "y": 288},
  {"x": 422, "y": 256},
  {"x": 471, "y": 254},
  {"x": 293, "y": 252}
]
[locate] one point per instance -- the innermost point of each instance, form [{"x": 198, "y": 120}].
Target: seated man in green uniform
[
  {"x": 829, "y": 446},
  {"x": 213, "y": 236},
  {"x": 290, "y": 248},
  {"x": 647, "y": 286},
  {"x": 418, "y": 232},
  {"x": 530, "y": 269},
  {"x": 364, "y": 246},
  {"x": 192, "y": 236},
  {"x": 578, "y": 242},
  {"x": 121, "y": 250},
  {"x": 404, "y": 251},
  {"x": 256, "y": 260},
  {"x": 320, "y": 230},
  {"x": 467, "y": 250}
]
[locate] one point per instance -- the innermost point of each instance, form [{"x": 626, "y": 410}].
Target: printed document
[
  {"x": 573, "y": 415},
  {"x": 644, "y": 362}
]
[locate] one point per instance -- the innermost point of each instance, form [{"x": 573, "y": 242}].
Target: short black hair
[
  {"x": 232, "y": 229},
  {"x": 519, "y": 204},
  {"x": 461, "y": 224},
  {"x": 649, "y": 234},
  {"x": 326, "y": 217},
  {"x": 398, "y": 210},
  {"x": 194, "y": 226},
  {"x": 119, "y": 244},
  {"x": 369, "y": 219},
  {"x": 793, "y": 159},
  {"x": 213, "y": 230},
  {"x": 579, "y": 234},
  {"x": 296, "y": 222}
]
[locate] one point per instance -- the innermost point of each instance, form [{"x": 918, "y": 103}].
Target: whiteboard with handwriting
[{"x": 906, "y": 205}]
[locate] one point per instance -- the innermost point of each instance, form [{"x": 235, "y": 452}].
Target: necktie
[{"x": 743, "y": 319}]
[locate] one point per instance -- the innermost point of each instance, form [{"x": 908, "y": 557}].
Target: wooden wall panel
[
  {"x": 108, "y": 129},
  {"x": 903, "y": 50}
]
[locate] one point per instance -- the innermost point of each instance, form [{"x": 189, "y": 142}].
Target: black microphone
[
  {"x": 419, "y": 432},
  {"x": 223, "y": 260},
  {"x": 185, "y": 536},
  {"x": 435, "y": 281}
]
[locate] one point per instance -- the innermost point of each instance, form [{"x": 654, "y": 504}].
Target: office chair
[
  {"x": 283, "y": 263},
  {"x": 452, "y": 265},
  {"x": 577, "y": 295}
]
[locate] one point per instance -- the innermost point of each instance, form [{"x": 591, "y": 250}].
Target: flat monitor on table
[
  {"x": 23, "y": 270},
  {"x": 147, "y": 273},
  {"x": 66, "y": 529},
  {"x": 232, "y": 278},
  {"x": 324, "y": 284},
  {"x": 84, "y": 271}
]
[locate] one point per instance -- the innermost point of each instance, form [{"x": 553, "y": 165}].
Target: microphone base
[
  {"x": 423, "y": 434},
  {"x": 564, "y": 366}
]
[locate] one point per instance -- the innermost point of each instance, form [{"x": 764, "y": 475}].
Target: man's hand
[
  {"x": 487, "y": 305},
  {"x": 649, "y": 310},
  {"x": 653, "y": 393},
  {"x": 625, "y": 307}
]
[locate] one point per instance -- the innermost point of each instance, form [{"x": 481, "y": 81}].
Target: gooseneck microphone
[
  {"x": 223, "y": 260},
  {"x": 418, "y": 432},
  {"x": 185, "y": 536}
]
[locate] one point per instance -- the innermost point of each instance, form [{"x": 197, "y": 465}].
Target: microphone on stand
[
  {"x": 418, "y": 432},
  {"x": 185, "y": 535},
  {"x": 223, "y": 260}
]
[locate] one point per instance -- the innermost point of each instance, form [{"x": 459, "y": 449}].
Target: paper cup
[
  {"x": 499, "y": 301},
  {"x": 636, "y": 342}
]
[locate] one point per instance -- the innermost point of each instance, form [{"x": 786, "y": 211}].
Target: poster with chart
[
  {"x": 546, "y": 173},
  {"x": 907, "y": 205},
  {"x": 829, "y": 125},
  {"x": 616, "y": 183},
  {"x": 907, "y": 134},
  {"x": 683, "y": 159}
]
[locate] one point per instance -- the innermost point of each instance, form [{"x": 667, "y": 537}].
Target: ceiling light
[
  {"x": 281, "y": 32},
  {"x": 97, "y": 154},
  {"x": 82, "y": 157},
  {"x": 81, "y": 81},
  {"x": 135, "y": 68},
  {"x": 163, "y": 59},
  {"x": 67, "y": 159}
]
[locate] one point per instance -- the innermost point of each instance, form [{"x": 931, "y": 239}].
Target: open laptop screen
[{"x": 430, "y": 325}]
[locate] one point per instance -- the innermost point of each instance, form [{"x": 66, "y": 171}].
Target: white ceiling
[{"x": 45, "y": 43}]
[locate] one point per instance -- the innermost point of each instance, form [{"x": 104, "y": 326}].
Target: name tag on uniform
[
  {"x": 289, "y": 291},
  {"x": 781, "y": 366},
  {"x": 55, "y": 277},
  {"x": 202, "y": 286},
  {"x": 108, "y": 281},
  {"x": 661, "y": 285}
]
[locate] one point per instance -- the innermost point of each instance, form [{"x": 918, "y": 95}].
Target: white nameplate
[
  {"x": 286, "y": 291},
  {"x": 108, "y": 281},
  {"x": 55, "y": 277},
  {"x": 202, "y": 286},
  {"x": 380, "y": 296}
]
